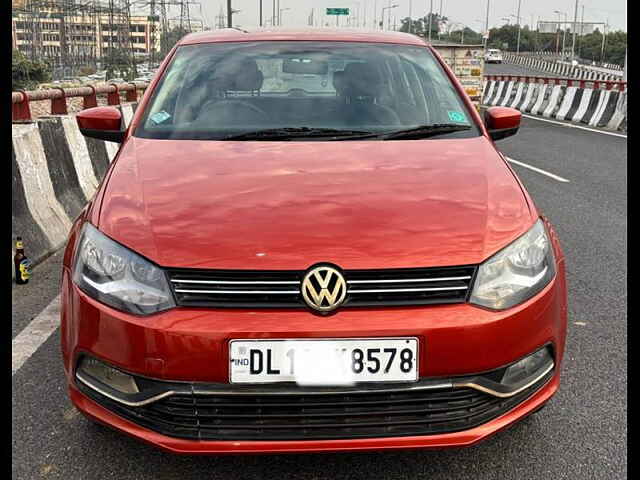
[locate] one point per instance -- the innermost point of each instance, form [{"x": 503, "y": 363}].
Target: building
[{"x": 74, "y": 33}]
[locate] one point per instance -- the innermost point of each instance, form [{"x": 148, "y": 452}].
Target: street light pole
[
  {"x": 375, "y": 14},
  {"x": 573, "y": 30},
  {"x": 486, "y": 27},
  {"x": 430, "y": 16},
  {"x": 388, "y": 15},
  {"x": 564, "y": 34},
  {"x": 280, "y": 16},
  {"x": 564, "y": 29},
  {"x": 519, "y": 27},
  {"x": 439, "y": 19},
  {"x": 260, "y": 2}
]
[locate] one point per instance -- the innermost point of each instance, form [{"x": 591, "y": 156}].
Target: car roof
[{"x": 309, "y": 34}]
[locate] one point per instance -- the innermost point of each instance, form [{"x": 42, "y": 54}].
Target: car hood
[{"x": 288, "y": 205}]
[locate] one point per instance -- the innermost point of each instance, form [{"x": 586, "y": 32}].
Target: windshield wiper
[
  {"x": 293, "y": 132},
  {"x": 424, "y": 131}
]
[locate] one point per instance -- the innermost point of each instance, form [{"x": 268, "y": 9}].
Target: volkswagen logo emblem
[{"x": 323, "y": 288}]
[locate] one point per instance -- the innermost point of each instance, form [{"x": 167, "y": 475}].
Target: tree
[
  {"x": 590, "y": 47},
  {"x": 27, "y": 74},
  {"x": 420, "y": 26}
]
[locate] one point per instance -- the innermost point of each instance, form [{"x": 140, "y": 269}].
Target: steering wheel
[{"x": 235, "y": 104}]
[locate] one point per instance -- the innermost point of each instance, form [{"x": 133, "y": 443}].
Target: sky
[{"x": 471, "y": 13}]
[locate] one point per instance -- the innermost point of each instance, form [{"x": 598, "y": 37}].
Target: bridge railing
[
  {"x": 21, "y": 111},
  {"x": 567, "y": 82}
]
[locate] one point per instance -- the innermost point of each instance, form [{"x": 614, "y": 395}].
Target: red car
[{"x": 308, "y": 241}]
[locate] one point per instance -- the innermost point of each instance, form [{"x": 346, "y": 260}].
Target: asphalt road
[
  {"x": 581, "y": 434},
  {"x": 508, "y": 69}
]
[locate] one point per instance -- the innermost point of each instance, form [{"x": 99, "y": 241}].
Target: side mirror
[
  {"x": 103, "y": 123},
  {"x": 502, "y": 122}
]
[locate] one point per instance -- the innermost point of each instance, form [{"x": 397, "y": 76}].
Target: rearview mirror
[
  {"x": 103, "y": 123},
  {"x": 502, "y": 122}
]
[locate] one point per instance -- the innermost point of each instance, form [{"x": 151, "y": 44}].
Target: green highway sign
[{"x": 337, "y": 11}]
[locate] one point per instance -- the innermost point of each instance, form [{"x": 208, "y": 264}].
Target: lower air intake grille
[
  {"x": 281, "y": 288},
  {"x": 258, "y": 416}
]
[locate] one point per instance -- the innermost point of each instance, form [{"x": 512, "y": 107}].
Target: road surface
[{"x": 581, "y": 434}]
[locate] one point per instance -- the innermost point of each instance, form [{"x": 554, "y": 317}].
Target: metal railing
[{"x": 21, "y": 111}]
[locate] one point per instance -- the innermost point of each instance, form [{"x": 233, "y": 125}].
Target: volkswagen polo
[{"x": 308, "y": 241}]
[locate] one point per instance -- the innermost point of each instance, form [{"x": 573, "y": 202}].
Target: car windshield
[{"x": 303, "y": 89}]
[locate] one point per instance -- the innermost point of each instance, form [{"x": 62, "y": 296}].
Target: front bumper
[{"x": 191, "y": 345}]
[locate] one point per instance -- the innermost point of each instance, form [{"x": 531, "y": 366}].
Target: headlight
[
  {"x": 118, "y": 277},
  {"x": 517, "y": 272}
]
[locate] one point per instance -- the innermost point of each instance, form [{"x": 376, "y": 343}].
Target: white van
[{"x": 493, "y": 55}]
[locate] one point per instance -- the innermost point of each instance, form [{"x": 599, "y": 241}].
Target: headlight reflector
[
  {"x": 517, "y": 272},
  {"x": 118, "y": 277}
]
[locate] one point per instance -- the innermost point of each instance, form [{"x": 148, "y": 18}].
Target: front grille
[
  {"x": 281, "y": 288},
  {"x": 256, "y": 416}
]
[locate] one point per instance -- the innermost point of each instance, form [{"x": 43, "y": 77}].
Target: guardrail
[
  {"x": 20, "y": 110},
  {"x": 567, "y": 82}
]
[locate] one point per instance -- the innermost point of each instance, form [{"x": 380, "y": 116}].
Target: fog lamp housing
[
  {"x": 527, "y": 367},
  {"x": 108, "y": 375}
]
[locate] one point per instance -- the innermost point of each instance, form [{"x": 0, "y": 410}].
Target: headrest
[
  {"x": 234, "y": 76},
  {"x": 338, "y": 81},
  {"x": 362, "y": 80},
  {"x": 249, "y": 78}
]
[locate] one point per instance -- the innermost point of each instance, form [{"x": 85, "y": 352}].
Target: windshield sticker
[
  {"x": 160, "y": 117},
  {"x": 457, "y": 117}
]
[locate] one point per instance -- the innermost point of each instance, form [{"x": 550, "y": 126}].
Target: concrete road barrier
[
  {"x": 594, "y": 103},
  {"x": 55, "y": 171}
]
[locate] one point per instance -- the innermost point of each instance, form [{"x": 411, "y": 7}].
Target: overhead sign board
[
  {"x": 337, "y": 11},
  {"x": 581, "y": 28}
]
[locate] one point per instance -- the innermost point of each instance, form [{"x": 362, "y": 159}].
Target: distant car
[
  {"x": 493, "y": 55},
  {"x": 117, "y": 80}
]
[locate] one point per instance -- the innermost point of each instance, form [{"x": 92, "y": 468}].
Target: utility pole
[
  {"x": 229, "y": 14},
  {"x": 573, "y": 28},
  {"x": 260, "y": 2}
]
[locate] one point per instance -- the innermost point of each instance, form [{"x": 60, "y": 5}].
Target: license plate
[{"x": 329, "y": 362}]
